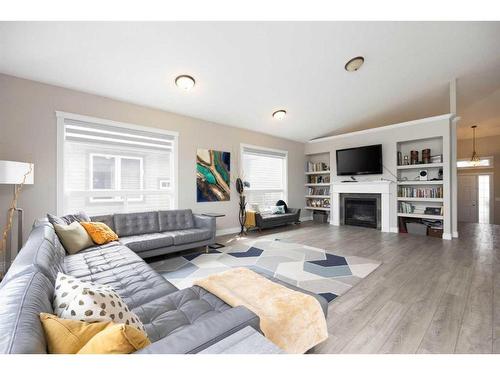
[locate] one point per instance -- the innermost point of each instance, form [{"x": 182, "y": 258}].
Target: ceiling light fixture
[
  {"x": 475, "y": 157},
  {"x": 185, "y": 82},
  {"x": 279, "y": 114},
  {"x": 354, "y": 64}
]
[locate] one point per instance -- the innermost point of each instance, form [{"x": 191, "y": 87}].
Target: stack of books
[{"x": 419, "y": 192}]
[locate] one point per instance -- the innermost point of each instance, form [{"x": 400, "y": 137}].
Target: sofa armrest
[
  {"x": 258, "y": 219},
  {"x": 296, "y": 212},
  {"x": 205, "y": 333},
  {"x": 208, "y": 222}
]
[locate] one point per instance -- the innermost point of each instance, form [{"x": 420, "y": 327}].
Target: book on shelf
[
  {"x": 318, "y": 190},
  {"x": 319, "y": 179},
  {"x": 316, "y": 167},
  {"x": 420, "y": 192}
]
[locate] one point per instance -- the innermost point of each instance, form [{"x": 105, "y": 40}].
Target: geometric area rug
[{"x": 310, "y": 268}]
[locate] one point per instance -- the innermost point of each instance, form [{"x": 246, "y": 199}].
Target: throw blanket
[
  {"x": 294, "y": 321},
  {"x": 250, "y": 219}
]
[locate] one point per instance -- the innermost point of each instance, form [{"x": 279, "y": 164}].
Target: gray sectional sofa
[
  {"x": 161, "y": 232},
  {"x": 176, "y": 321}
]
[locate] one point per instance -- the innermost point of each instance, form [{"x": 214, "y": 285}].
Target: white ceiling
[{"x": 246, "y": 70}]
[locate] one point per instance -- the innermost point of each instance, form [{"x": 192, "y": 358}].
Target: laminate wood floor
[{"x": 428, "y": 296}]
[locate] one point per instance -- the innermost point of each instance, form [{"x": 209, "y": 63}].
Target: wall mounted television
[{"x": 359, "y": 160}]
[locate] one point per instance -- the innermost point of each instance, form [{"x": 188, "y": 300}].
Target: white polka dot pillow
[{"x": 91, "y": 302}]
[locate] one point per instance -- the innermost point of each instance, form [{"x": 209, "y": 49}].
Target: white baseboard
[
  {"x": 394, "y": 229},
  {"x": 223, "y": 232},
  {"x": 446, "y": 236},
  {"x": 455, "y": 234}
]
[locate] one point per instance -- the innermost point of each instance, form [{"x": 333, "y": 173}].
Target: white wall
[
  {"x": 28, "y": 133},
  {"x": 389, "y": 136}
]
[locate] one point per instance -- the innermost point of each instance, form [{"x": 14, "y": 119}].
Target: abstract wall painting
[{"x": 213, "y": 175}]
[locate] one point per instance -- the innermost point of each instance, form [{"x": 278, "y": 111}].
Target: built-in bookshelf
[
  {"x": 421, "y": 194},
  {"x": 317, "y": 184}
]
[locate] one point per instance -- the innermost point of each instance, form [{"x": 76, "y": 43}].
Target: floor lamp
[{"x": 17, "y": 174}]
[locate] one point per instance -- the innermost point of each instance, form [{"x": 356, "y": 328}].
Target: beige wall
[
  {"x": 28, "y": 133},
  {"x": 489, "y": 146}
]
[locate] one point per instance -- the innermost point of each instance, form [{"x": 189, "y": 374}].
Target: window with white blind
[
  {"x": 266, "y": 172},
  {"x": 108, "y": 167}
]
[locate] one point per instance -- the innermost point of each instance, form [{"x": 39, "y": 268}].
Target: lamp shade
[{"x": 12, "y": 172}]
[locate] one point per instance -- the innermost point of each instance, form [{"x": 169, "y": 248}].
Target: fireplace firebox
[{"x": 361, "y": 211}]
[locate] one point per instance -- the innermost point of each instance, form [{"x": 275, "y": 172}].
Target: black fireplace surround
[{"x": 361, "y": 211}]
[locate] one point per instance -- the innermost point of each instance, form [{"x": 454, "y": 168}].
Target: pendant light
[{"x": 475, "y": 157}]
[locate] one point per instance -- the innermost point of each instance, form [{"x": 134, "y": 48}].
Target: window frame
[
  {"x": 269, "y": 150},
  {"x": 117, "y": 177},
  {"x": 61, "y": 117}
]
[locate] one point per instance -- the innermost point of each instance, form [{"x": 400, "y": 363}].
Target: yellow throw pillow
[
  {"x": 67, "y": 336},
  {"x": 116, "y": 339},
  {"x": 100, "y": 232},
  {"x": 73, "y": 237}
]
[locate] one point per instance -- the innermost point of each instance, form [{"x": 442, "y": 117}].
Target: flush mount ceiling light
[
  {"x": 185, "y": 82},
  {"x": 354, "y": 64},
  {"x": 279, "y": 114}
]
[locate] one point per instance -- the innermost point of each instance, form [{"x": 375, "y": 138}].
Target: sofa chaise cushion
[
  {"x": 150, "y": 241},
  {"x": 119, "y": 267},
  {"x": 170, "y": 313}
]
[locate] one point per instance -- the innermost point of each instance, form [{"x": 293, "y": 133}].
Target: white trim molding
[{"x": 363, "y": 187}]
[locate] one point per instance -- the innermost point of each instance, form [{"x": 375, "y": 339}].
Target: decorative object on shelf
[
  {"x": 433, "y": 211},
  {"x": 240, "y": 188},
  {"x": 437, "y": 158},
  {"x": 426, "y": 155},
  {"x": 17, "y": 174},
  {"x": 213, "y": 175},
  {"x": 440, "y": 173},
  {"x": 422, "y": 174},
  {"x": 406, "y": 162},
  {"x": 316, "y": 167},
  {"x": 475, "y": 157},
  {"x": 400, "y": 158},
  {"x": 414, "y": 157}
]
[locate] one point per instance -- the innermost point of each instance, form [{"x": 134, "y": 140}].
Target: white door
[{"x": 467, "y": 198}]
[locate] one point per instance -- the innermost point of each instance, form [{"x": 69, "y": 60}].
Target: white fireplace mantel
[{"x": 381, "y": 187}]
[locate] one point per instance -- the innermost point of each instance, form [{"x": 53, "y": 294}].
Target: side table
[{"x": 215, "y": 215}]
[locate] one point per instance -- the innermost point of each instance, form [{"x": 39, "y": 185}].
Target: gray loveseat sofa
[
  {"x": 268, "y": 220},
  {"x": 161, "y": 232},
  {"x": 176, "y": 321}
]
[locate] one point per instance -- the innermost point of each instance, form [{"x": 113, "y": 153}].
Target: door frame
[{"x": 492, "y": 191}]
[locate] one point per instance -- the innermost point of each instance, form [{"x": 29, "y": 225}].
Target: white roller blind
[
  {"x": 265, "y": 170},
  {"x": 109, "y": 167}
]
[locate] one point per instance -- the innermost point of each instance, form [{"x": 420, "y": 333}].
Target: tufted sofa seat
[{"x": 155, "y": 233}]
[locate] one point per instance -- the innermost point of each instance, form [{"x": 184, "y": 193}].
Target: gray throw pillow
[{"x": 68, "y": 219}]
